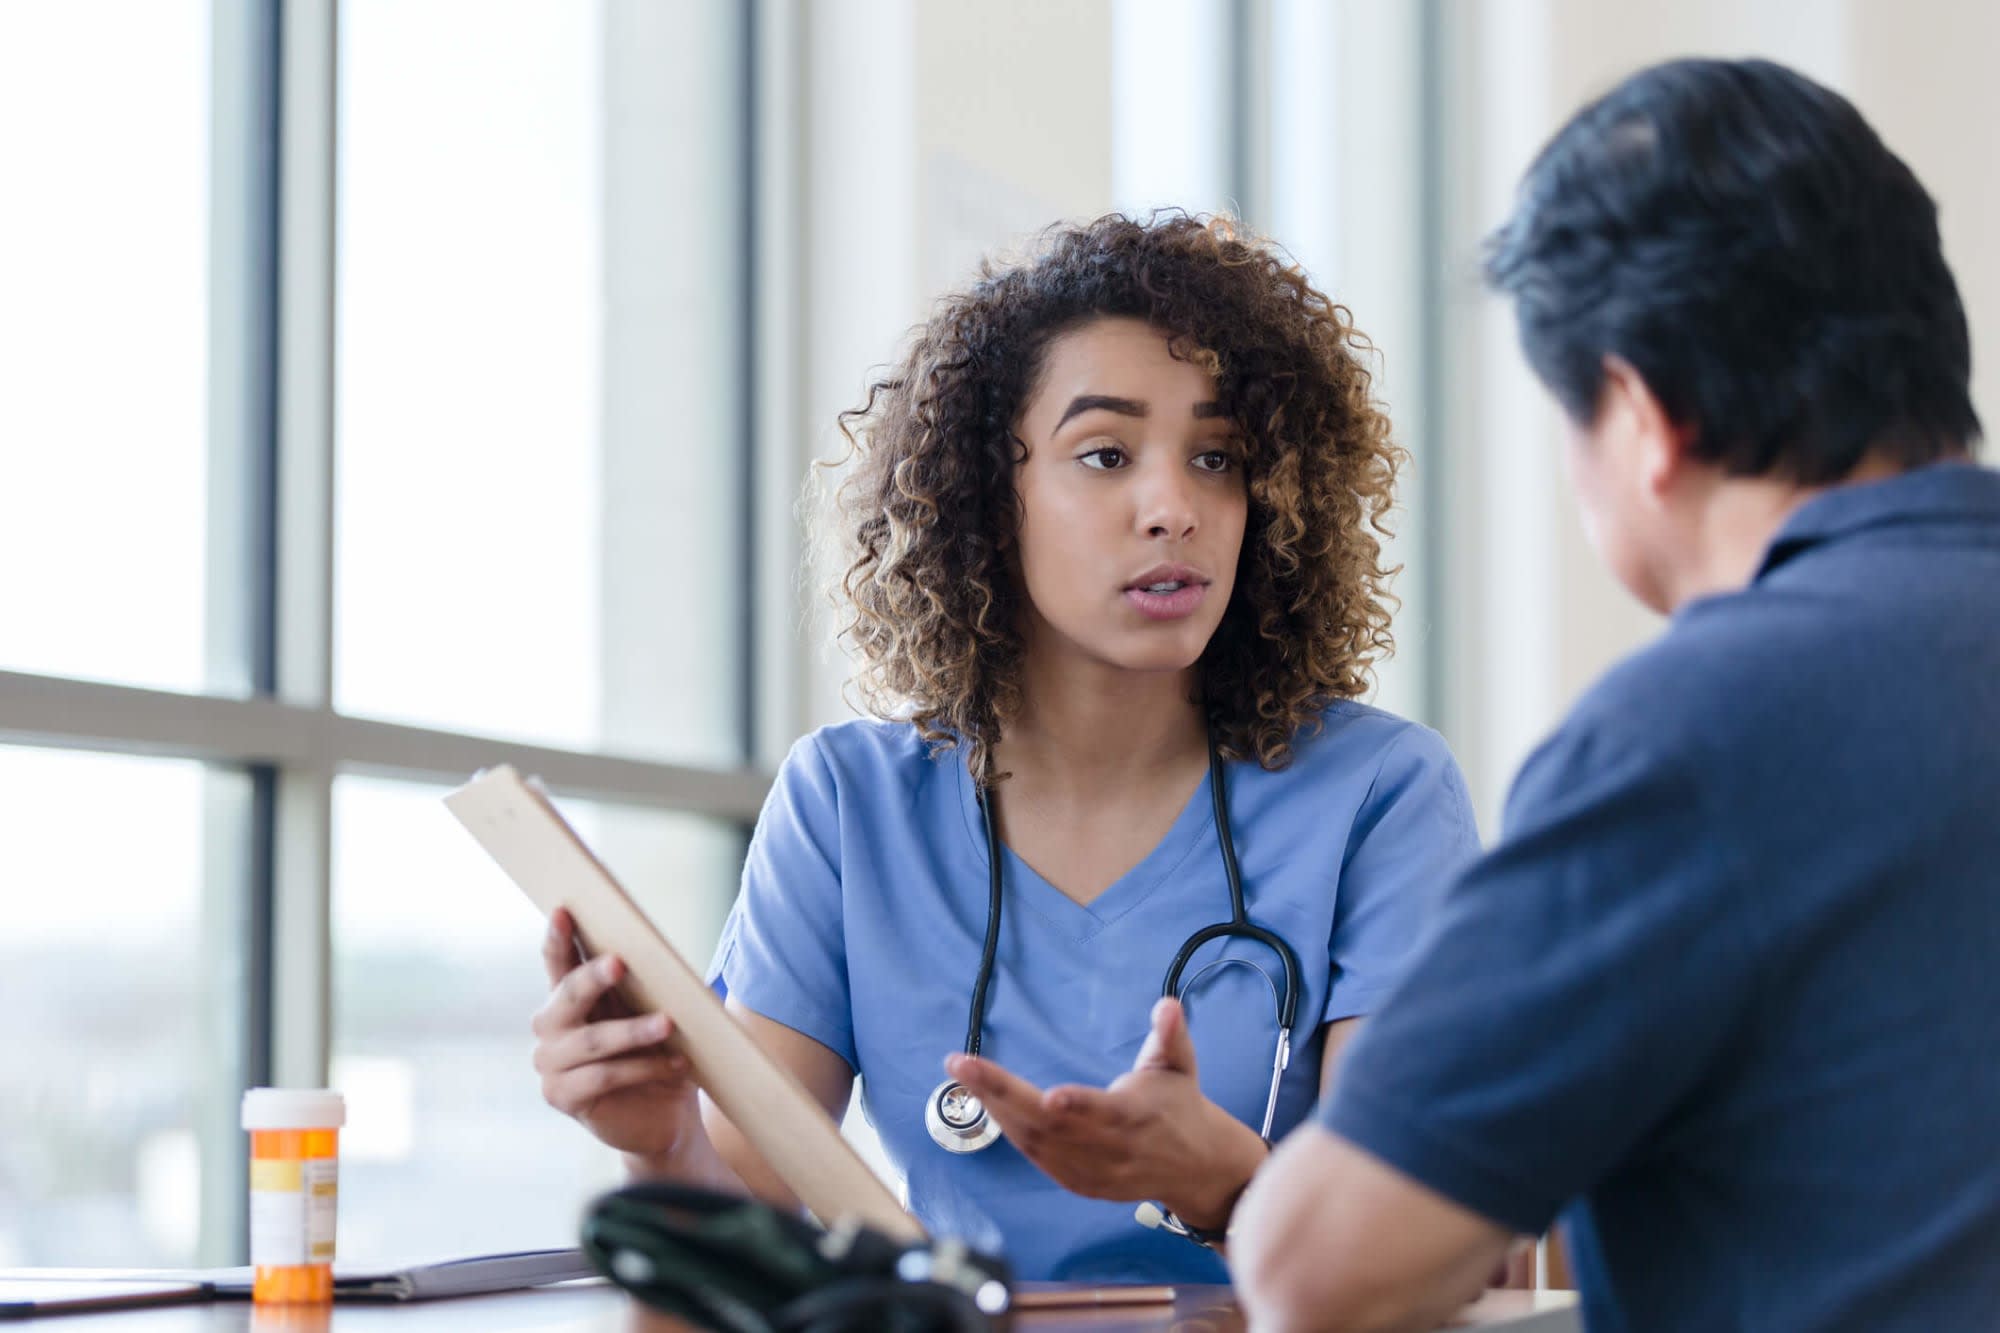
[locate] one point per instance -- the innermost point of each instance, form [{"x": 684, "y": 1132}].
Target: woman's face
[{"x": 1132, "y": 501}]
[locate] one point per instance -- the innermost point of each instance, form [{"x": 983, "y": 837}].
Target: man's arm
[
  {"x": 1328, "y": 1238},
  {"x": 1609, "y": 915}
]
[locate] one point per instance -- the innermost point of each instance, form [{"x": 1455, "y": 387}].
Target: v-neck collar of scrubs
[{"x": 1021, "y": 884}]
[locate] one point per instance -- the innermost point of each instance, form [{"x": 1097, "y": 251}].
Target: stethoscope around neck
[{"x": 956, "y": 1118}]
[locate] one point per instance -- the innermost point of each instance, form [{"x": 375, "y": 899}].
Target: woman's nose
[{"x": 1167, "y": 506}]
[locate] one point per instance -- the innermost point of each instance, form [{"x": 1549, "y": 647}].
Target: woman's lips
[{"x": 1176, "y": 605}]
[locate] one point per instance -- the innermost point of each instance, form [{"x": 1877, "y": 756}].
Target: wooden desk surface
[{"x": 594, "y": 1308}]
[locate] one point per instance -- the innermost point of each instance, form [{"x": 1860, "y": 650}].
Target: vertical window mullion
[
  {"x": 744, "y": 386},
  {"x": 1434, "y": 525},
  {"x": 242, "y": 408},
  {"x": 774, "y": 372},
  {"x": 299, "y": 801}
]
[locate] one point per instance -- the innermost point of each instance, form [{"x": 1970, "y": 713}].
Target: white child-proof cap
[{"x": 293, "y": 1108}]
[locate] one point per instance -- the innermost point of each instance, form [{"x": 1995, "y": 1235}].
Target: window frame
[{"x": 266, "y": 708}]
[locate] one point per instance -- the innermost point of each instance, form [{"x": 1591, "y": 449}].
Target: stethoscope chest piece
[{"x": 957, "y": 1119}]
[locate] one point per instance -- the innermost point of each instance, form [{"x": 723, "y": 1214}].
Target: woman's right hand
[{"x": 605, "y": 1066}]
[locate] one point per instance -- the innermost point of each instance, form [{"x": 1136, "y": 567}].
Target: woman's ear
[{"x": 1009, "y": 538}]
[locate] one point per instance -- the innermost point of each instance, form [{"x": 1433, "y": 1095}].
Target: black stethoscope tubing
[{"x": 1239, "y": 924}]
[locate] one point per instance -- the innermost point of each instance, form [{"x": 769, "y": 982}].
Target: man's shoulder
[
  {"x": 1731, "y": 671},
  {"x": 1722, "y": 694}
]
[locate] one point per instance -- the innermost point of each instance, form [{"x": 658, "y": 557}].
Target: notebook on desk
[
  {"x": 475, "y": 1276},
  {"x": 30, "y": 1297}
]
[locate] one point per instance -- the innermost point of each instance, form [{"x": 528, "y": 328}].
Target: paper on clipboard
[{"x": 522, "y": 830}]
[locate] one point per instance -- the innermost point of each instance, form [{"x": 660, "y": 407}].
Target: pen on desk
[{"x": 1060, "y": 1296}]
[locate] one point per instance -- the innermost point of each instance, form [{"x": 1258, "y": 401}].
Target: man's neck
[{"x": 1732, "y": 522}]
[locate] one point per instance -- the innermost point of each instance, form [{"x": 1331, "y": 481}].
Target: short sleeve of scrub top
[
  {"x": 863, "y": 911},
  {"x": 786, "y": 924}
]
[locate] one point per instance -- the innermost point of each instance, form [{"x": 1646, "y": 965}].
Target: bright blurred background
[{"x": 398, "y": 386}]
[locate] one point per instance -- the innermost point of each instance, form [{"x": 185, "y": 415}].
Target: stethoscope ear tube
[{"x": 1279, "y": 1061}]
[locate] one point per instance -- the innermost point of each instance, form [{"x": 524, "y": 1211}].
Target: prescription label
[{"x": 293, "y": 1207}]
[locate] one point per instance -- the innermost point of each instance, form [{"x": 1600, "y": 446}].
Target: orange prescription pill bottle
[{"x": 294, "y": 1191}]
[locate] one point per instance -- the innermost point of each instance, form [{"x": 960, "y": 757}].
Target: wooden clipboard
[{"x": 520, "y": 828}]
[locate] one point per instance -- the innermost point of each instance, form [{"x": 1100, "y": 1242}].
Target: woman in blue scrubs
[{"x": 1118, "y": 504}]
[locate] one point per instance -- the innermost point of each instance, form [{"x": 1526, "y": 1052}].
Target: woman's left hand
[{"x": 1150, "y": 1135}]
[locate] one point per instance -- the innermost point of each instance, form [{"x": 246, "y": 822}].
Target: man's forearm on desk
[{"x": 1328, "y": 1239}]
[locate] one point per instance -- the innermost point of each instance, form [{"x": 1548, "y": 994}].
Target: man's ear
[{"x": 1661, "y": 446}]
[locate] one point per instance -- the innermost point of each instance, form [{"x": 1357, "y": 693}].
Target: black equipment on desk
[{"x": 735, "y": 1265}]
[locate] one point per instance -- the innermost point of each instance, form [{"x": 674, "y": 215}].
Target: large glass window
[
  {"x": 117, "y": 1014},
  {"x": 1171, "y": 115},
  {"x": 104, "y": 133},
  {"x": 438, "y": 973},
  {"x": 385, "y": 360},
  {"x": 539, "y": 533},
  {"x": 539, "y": 513}
]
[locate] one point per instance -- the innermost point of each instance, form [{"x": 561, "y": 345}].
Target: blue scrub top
[{"x": 863, "y": 911}]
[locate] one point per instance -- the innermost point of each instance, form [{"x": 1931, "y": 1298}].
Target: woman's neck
[{"x": 1087, "y": 728}]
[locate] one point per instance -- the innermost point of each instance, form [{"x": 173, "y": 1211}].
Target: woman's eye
[
  {"x": 1103, "y": 459},
  {"x": 1215, "y": 460}
]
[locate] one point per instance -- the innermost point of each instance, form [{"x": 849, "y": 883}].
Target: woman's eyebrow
[
  {"x": 1098, "y": 402},
  {"x": 1127, "y": 407}
]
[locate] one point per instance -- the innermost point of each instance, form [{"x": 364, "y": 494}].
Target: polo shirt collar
[{"x": 1949, "y": 493}]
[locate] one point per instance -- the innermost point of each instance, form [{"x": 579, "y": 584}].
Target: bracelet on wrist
[{"x": 1161, "y": 1218}]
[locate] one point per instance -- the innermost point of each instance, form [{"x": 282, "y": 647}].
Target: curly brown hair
[{"x": 929, "y": 508}]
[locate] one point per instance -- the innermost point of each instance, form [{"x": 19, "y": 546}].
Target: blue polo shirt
[{"x": 1727, "y": 994}]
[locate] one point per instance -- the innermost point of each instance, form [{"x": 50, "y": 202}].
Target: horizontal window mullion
[
  {"x": 77, "y": 714},
  {"x": 386, "y": 749}
]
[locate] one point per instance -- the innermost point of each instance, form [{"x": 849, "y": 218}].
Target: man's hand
[{"x": 1150, "y": 1135}]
